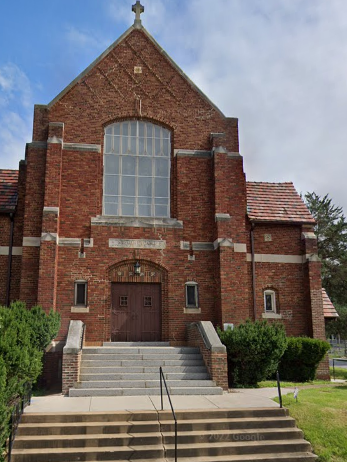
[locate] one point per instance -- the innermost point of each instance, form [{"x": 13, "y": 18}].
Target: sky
[{"x": 279, "y": 66}]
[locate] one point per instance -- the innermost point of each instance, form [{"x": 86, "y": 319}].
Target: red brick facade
[{"x": 64, "y": 237}]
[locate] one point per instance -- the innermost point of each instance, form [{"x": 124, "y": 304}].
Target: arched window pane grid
[{"x": 137, "y": 170}]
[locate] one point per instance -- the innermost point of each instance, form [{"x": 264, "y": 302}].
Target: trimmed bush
[
  {"x": 24, "y": 335},
  {"x": 301, "y": 358},
  {"x": 254, "y": 350},
  {"x": 4, "y": 410}
]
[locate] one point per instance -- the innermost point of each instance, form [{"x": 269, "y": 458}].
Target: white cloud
[
  {"x": 14, "y": 84},
  {"x": 279, "y": 66},
  {"x": 84, "y": 39},
  {"x": 16, "y": 105}
]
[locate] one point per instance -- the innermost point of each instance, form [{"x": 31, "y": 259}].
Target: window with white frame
[
  {"x": 81, "y": 290},
  {"x": 137, "y": 170},
  {"x": 270, "y": 301},
  {"x": 192, "y": 299}
]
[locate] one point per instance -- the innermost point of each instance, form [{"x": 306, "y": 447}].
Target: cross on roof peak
[{"x": 138, "y": 9}]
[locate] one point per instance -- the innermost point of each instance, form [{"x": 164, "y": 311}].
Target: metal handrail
[
  {"x": 162, "y": 405},
  {"x": 337, "y": 359},
  {"x": 16, "y": 414},
  {"x": 279, "y": 388}
]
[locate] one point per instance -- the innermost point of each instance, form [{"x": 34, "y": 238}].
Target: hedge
[
  {"x": 254, "y": 350},
  {"x": 301, "y": 358},
  {"x": 24, "y": 335}
]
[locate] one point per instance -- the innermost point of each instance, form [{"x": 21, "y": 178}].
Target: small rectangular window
[
  {"x": 192, "y": 295},
  {"x": 270, "y": 301},
  {"x": 123, "y": 300},
  {"x": 81, "y": 293}
]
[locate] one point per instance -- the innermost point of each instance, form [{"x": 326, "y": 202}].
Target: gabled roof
[
  {"x": 8, "y": 190},
  {"x": 276, "y": 202},
  {"x": 328, "y": 307},
  {"x": 117, "y": 42}
]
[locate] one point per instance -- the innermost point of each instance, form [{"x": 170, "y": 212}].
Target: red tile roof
[
  {"x": 8, "y": 190},
  {"x": 276, "y": 202},
  {"x": 328, "y": 307}
]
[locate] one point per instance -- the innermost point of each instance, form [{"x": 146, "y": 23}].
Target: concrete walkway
[{"x": 237, "y": 398}]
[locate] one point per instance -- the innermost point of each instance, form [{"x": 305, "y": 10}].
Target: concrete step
[
  {"x": 137, "y": 344},
  {"x": 105, "y": 368},
  {"x": 181, "y": 390},
  {"x": 217, "y": 435},
  {"x": 76, "y": 428},
  {"x": 144, "y": 383},
  {"x": 240, "y": 413},
  {"x": 87, "y": 428},
  {"x": 87, "y": 454},
  {"x": 234, "y": 436},
  {"x": 236, "y": 448},
  {"x": 230, "y": 424},
  {"x": 142, "y": 362},
  {"x": 140, "y": 356},
  {"x": 284, "y": 457},
  {"x": 142, "y": 350},
  {"x": 144, "y": 376},
  {"x": 165, "y": 417},
  {"x": 153, "y": 438},
  {"x": 89, "y": 441}
]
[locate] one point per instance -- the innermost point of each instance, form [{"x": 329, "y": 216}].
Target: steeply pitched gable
[{"x": 118, "y": 42}]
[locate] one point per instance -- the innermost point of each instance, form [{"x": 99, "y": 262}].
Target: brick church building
[{"x": 131, "y": 211}]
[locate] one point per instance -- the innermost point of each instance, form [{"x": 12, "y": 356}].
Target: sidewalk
[{"x": 236, "y": 398}]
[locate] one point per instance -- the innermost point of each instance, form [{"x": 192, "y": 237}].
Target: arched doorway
[{"x": 136, "y": 302}]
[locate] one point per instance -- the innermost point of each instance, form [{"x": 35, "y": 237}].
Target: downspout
[
  {"x": 9, "y": 269},
  {"x": 253, "y": 272}
]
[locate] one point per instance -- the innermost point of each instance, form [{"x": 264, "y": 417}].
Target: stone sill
[
  {"x": 80, "y": 309},
  {"x": 272, "y": 315},
  {"x": 192, "y": 310},
  {"x": 136, "y": 222}
]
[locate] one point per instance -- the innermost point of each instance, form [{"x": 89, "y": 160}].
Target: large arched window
[{"x": 137, "y": 170}]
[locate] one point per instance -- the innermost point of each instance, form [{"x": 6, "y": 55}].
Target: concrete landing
[{"x": 237, "y": 398}]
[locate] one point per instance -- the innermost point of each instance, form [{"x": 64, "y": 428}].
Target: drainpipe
[
  {"x": 9, "y": 269},
  {"x": 253, "y": 272}
]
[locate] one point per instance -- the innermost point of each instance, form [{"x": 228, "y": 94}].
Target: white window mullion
[
  {"x": 120, "y": 185},
  {"x": 157, "y": 148},
  {"x": 136, "y": 198}
]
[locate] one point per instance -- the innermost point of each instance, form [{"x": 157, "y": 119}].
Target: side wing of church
[{"x": 134, "y": 214}]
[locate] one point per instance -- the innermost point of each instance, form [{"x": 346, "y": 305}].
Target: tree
[
  {"x": 338, "y": 326},
  {"x": 331, "y": 232}
]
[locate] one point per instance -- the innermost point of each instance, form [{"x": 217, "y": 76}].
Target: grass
[
  {"x": 273, "y": 383},
  {"x": 322, "y": 415},
  {"x": 340, "y": 373}
]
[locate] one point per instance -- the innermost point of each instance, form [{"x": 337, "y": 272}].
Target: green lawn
[
  {"x": 273, "y": 383},
  {"x": 322, "y": 415},
  {"x": 340, "y": 373}
]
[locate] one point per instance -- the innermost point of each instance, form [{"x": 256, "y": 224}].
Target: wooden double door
[{"x": 136, "y": 312}]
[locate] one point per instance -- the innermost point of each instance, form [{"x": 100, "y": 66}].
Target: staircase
[
  {"x": 123, "y": 369},
  {"x": 219, "y": 435}
]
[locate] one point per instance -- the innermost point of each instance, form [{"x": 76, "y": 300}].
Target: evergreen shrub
[
  {"x": 254, "y": 350},
  {"x": 301, "y": 358},
  {"x": 24, "y": 335}
]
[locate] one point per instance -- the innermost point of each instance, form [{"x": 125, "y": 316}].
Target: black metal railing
[
  {"x": 279, "y": 388},
  {"x": 162, "y": 378},
  {"x": 16, "y": 414},
  {"x": 337, "y": 359}
]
